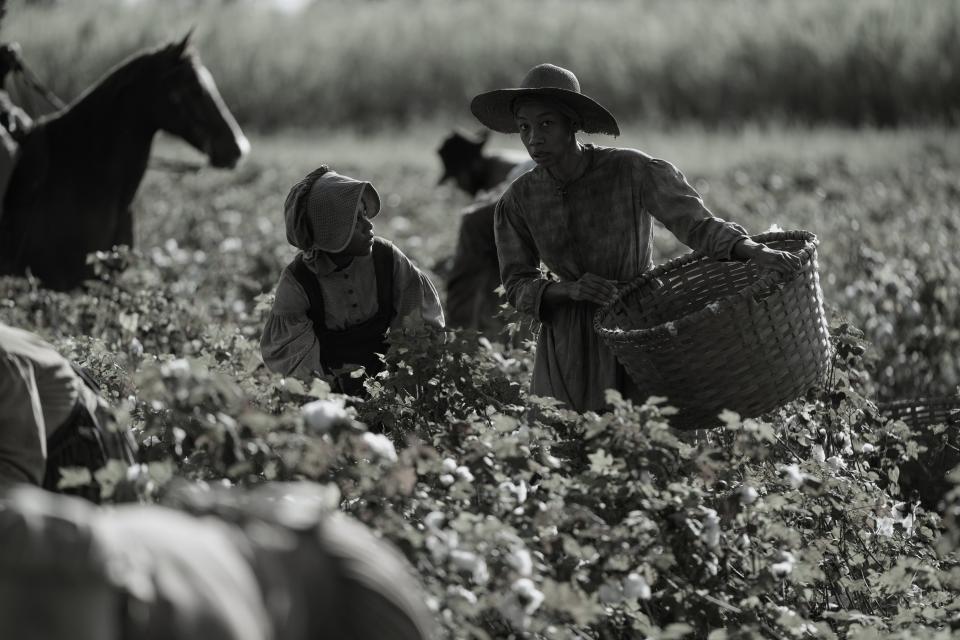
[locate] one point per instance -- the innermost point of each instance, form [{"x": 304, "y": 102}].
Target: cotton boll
[
  {"x": 178, "y": 367},
  {"x": 461, "y": 592},
  {"x": 793, "y": 474},
  {"x": 322, "y": 415},
  {"x": 711, "y": 529},
  {"x": 817, "y": 453},
  {"x": 520, "y": 559},
  {"x": 135, "y": 348},
  {"x": 381, "y": 446},
  {"x": 635, "y": 587},
  {"x": 433, "y": 520},
  {"x": 836, "y": 463},
  {"x": 884, "y": 527},
  {"x": 784, "y": 566},
  {"x": 530, "y": 597},
  {"x": 465, "y": 560}
]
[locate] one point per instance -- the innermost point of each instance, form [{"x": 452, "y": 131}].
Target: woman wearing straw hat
[{"x": 586, "y": 212}]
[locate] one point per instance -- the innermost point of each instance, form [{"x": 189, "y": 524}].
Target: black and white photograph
[{"x": 479, "y": 319}]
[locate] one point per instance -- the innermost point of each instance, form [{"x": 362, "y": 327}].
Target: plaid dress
[{"x": 600, "y": 223}]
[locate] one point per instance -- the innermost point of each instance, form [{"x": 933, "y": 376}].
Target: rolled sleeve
[
  {"x": 415, "y": 297},
  {"x": 519, "y": 261},
  {"x": 669, "y": 198},
  {"x": 288, "y": 343}
]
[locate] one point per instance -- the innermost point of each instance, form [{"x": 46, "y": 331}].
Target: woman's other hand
[
  {"x": 589, "y": 288},
  {"x": 783, "y": 262}
]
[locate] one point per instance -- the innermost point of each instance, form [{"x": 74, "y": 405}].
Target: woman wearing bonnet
[
  {"x": 586, "y": 212},
  {"x": 345, "y": 288}
]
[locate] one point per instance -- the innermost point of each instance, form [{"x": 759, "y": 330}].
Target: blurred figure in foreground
[
  {"x": 51, "y": 416},
  {"x": 345, "y": 289},
  {"x": 14, "y": 121},
  {"x": 277, "y": 563}
]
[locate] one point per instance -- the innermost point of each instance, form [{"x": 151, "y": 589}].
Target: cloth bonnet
[{"x": 320, "y": 211}]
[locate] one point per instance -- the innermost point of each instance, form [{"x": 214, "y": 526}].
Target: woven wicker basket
[
  {"x": 923, "y": 412},
  {"x": 926, "y": 476},
  {"x": 711, "y": 335}
]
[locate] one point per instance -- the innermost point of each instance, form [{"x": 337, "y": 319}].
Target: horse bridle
[{"x": 33, "y": 81}]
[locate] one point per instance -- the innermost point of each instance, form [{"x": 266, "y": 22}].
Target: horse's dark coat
[{"x": 79, "y": 169}]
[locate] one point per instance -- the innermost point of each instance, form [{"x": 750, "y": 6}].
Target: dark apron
[{"x": 360, "y": 343}]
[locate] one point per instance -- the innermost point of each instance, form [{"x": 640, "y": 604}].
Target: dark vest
[{"x": 360, "y": 343}]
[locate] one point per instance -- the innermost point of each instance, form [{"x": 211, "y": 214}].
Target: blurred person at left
[
  {"x": 279, "y": 562},
  {"x": 14, "y": 121},
  {"x": 51, "y": 416}
]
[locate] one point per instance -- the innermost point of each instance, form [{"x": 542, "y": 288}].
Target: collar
[
  {"x": 587, "y": 165},
  {"x": 320, "y": 263}
]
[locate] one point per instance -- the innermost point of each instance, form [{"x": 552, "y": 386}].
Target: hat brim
[
  {"x": 494, "y": 109},
  {"x": 372, "y": 198},
  {"x": 347, "y": 217}
]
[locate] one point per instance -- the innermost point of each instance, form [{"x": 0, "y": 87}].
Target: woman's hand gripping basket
[{"x": 711, "y": 335}]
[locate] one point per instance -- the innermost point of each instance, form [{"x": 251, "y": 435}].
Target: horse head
[
  {"x": 78, "y": 170},
  {"x": 189, "y": 106}
]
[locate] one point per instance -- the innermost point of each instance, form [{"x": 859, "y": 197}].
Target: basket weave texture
[
  {"x": 711, "y": 335},
  {"x": 923, "y": 412}
]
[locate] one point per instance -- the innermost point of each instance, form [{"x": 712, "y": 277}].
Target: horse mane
[{"x": 144, "y": 65}]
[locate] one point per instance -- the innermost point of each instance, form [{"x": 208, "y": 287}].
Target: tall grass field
[{"x": 383, "y": 62}]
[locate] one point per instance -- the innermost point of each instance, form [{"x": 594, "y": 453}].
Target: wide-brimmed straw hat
[
  {"x": 321, "y": 210},
  {"x": 495, "y": 109}
]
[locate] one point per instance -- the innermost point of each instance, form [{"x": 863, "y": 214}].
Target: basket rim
[{"x": 762, "y": 287}]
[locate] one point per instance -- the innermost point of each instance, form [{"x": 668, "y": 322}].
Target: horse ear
[{"x": 181, "y": 46}]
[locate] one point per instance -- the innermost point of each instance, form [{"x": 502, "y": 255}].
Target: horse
[{"x": 80, "y": 167}]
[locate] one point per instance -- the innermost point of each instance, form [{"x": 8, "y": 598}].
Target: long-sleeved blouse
[
  {"x": 599, "y": 223},
  {"x": 288, "y": 343}
]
